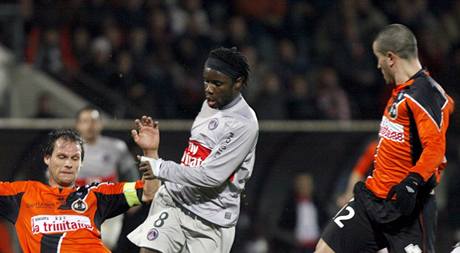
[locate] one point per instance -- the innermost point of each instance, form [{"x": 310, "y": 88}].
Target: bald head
[{"x": 398, "y": 39}]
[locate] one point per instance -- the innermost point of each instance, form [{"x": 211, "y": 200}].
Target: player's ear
[
  {"x": 391, "y": 57},
  {"x": 47, "y": 159},
  {"x": 238, "y": 83}
]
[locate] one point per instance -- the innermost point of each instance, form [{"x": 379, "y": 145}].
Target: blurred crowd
[{"x": 309, "y": 59}]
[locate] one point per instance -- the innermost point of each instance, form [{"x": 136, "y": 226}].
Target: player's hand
[
  {"x": 147, "y": 134},
  {"x": 146, "y": 171},
  {"x": 406, "y": 193}
]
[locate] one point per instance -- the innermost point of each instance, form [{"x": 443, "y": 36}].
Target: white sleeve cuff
[{"x": 154, "y": 163}]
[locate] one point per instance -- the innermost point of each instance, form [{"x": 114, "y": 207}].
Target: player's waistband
[
  {"x": 192, "y": 214},
  {"x": 186, "y": 211}
]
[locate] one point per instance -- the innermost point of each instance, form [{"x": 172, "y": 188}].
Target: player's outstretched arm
[{"x": 147, "y": 136}]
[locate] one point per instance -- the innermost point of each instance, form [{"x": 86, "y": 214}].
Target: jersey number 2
[{"x": 338, "y": 220}]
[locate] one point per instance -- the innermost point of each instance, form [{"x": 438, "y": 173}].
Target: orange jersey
[
  {"x": 412, "y": 134},
  {"x": 49, "y": 219},
  {"x": 366, "y": 159}
]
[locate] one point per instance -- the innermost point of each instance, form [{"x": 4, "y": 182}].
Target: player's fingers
[
  {"x": 144, "y": 120},
  {"x": 134, "y": 134},
  {"x": 143, "y": 163},
  {"x": 143, "y": 168},
  {"x": 149, "y": 121},
  {"x": 138, "y": 123},
  {"x": 155, "y": 124}
]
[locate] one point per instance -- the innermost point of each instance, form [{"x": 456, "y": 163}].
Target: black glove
[{"x": 406, "y": 193}]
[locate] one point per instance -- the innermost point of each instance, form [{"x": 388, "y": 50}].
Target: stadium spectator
[
  {"x": 44, "y": 107},
  {"x": 301, "y": 102},
  {"x": 308, "y": 35},
  {"x": 270, "y": 103},
  {"x": 100, "y": 66},
  {"x": 332, "y": 100},
  {"x": 299, "y": 220}
]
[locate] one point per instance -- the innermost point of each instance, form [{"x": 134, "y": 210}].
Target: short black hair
[
  {"x": 65, "y": 134},
  {"x": 398, "y": 39},
  {"x": 234, "y": 58},
  {"x": 85, "y": 109}
]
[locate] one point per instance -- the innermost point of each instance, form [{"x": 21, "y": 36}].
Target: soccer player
[
  {"x": 197, "y": 207},
  {"x": 107, "y": 160},
  {"x": 60, "y": 217},
  {"x": 395, "y": 207}
]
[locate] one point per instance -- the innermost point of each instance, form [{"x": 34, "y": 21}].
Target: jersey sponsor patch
[
  {"x": 391, "y": 130},
  {"x": 194, "y": 154},
  {"x": 49, "y": 224}
]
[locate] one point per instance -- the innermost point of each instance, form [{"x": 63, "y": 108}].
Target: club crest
[
  {"x": 79, "y": 206},
  {"x": 213, "y": 124},
  {"x": 152, "y": 234},
  {"x": 393, "y": 110}
]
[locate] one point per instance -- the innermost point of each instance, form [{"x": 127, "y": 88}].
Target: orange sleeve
[
  {"x": 432, "y": 138},
  {"x": 12, "y": 188},
  {"x": 366, "y": 159},
  {"x": 10, "y": 199}
]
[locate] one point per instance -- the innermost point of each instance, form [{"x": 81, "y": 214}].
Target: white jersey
[
  {"x": 108, "y": 159},
  {"x": 216, "y": 164}
]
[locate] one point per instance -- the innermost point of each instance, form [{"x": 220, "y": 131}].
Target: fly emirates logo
[
  {"x": 47, "y": 224},
  {"x": 194, "y": 154},
  {"x": 391, "y": 131}
]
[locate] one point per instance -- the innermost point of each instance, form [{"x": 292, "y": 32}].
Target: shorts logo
[
  {"x": 213, "y": 124},
  {"x": 152, "y": 234},
  {"x": 411, "y": 248},
  {"x": 79, "y": 206}
]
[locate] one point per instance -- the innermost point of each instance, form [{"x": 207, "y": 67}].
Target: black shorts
[{"x": 367, "y": 224}]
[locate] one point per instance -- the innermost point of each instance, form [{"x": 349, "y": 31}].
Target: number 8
[{"x": 161, "y": 220}]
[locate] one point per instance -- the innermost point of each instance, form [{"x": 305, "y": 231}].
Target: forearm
[
  {"x": 150, "y": 188},
  {"x": 191, "y": 176},
  {"x": 429, "y": 161},
  {"x": 152, "y": 153}
]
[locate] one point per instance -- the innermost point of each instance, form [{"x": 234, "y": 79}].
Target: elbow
[{"x": 213, "y": 182}]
